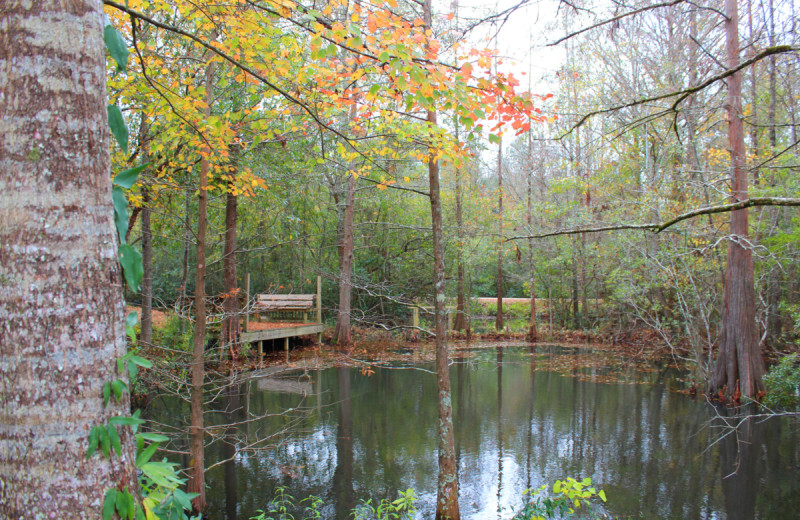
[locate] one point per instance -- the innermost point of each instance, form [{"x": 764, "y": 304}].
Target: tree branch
[{"x": 658, "y": 227}]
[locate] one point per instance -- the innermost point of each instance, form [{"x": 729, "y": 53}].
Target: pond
[{"x": 523, "y": 417}]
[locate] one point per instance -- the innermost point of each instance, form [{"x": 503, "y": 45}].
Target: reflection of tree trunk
[
  {"x": 343, "y": 475},
  {"x": 342, "y": 336},
  {"x": 196, "y": 482},
  {"x": 499, "y": 432},
  {"x": 739, "y": 455},
  {"x": 739, "y": 365},
  {"x": 232, "y": 413},
  {"x": 230, "y": 324}
]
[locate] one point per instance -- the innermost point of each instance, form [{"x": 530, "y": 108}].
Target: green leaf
[
  {"x": 120, "y": 212},
  {"x": 118, "y": 127},
  {"x": 142, "y": 362},
  {"x": 494, "y": 139},
  {"x": 94, "y": 439},
  {"x": 133, "y": 370},
  {"x": 183, "y": 498},
  {"x": 106, "y": 393},
  {"x": 145, "y": 455},
  {"x": 127, "y": 178},
  {"x": 131, "y": 261},
  {"x": 602, "y": 495},
  {"x": 130, "y": 509},
  {"x": 113, "y": 434},
  {"x": 116, "y": 46},
  {"x": 374, "y": 89},
  {"x": 108, "y": 503},
  {"x": 480, "y": 114},
  {"x": 118, "y": 386},
  {"x": 153, "y": 437},
  {"x": 105, "y": 442},
  {"x": 125, "y": 420},
  {"x": 121, "y": 505},
  {"x": 162, "y": 474},
  {"x": 130, "y": 322}
]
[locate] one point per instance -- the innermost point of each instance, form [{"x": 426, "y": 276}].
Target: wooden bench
[{"x": 288, "y": 306}]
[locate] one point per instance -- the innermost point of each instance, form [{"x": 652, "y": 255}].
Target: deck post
[
  {"x": 319, "y": 299},
  {"x": 415, "y": 316},
  {"x": 260, "y": 349},
  {"x": 247, "y": 302},
  {"x": 286, "y": 347}
]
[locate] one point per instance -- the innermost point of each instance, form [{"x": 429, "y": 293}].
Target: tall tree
[
  {"x": 447, "y": 481},
  {"x": 61, "y": 304},
  {"x": 739, "y": 366}
]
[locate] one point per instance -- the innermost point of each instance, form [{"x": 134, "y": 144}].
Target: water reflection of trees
[{"x": 649, "y": 448}]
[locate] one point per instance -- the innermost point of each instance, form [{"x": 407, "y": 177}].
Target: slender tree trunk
[
  {"x": 231, "y": 327},
  {"x": 342, "y": 334},
  {"x": 739, "y": 366},
  {"x": 498, "y": 320},
  {"x": 62, "y": 314},
  {"x": 196, "y": 482},
  {"x": 532, "y": 333},
  {"x": 187, "y": 237},
  {"x": 447, "y": 481},
  {"x": 146, "y": 336},
  {"x": 461, "y": 303}
]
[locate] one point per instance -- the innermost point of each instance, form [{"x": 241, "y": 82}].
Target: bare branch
[
  {"x": 614, "y": 19},
  {"x": 658, "y": 227}
]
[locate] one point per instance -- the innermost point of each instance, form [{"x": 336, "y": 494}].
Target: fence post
[
  {"x": 319, "y": 299},
  {"x": 247, "y": 302}
]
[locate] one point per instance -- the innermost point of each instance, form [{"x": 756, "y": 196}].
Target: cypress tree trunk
[
  {"x": 739, "y": 366},
  {"x": 342, "y": 334},
  {"x": 62, "y": 315}
]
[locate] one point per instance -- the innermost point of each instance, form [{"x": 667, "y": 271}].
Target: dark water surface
[{"x": 356, "y": 435}]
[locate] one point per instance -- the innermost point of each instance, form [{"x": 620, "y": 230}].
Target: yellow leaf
[{"x": 407, "y": 179}]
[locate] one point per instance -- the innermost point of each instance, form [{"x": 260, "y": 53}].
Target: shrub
[
  {"x": 567, "y": 497},
  {"x": 782, "y": 382}
]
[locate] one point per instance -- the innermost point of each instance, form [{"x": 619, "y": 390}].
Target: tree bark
[
  {"x": 342, "y": 334},
  {"x": 447, "y": 479},
  {"x": 196, "y": 482},
  {"x": 62, "y": 314},
  {"x": 146, "y": 336},
  {"x": 532, "y": 332},
  {"x": 231, "y": 327},
  {"x": 498, "y": 319},
  {"x": 460, "y": 322},
  {"x": 739, "y": 366}
]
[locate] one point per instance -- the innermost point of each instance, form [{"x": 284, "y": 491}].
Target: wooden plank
[
  {"x": 286, "y": 296},
  {"x": 284, "y": 332}
]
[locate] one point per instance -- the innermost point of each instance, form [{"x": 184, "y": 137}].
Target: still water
[{"x": 349, "y": 434}]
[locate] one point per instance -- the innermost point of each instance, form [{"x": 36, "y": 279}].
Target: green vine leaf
[
  {"x": 127, "y": 178},
  {"x": 113, "y": 434},
  {"x": 109, "y": 503},
  {"x": 116, "y": 46},
  {"x": 131, "y": 261},
  {"x": 120, "y": 212},
  {"x": 118, "y": 127}
]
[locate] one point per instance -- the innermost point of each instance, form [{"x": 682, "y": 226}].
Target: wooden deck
[{"x": 286, "y": 330}]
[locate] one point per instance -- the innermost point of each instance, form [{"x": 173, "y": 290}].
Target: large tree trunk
[
  {"x": 447, "y": 480},
  {"x": 196, "y": 482},
  {"x": 230, "y": 324},
  {"x": 61, "y": 303},
  {"x": 342, "y": 335},
  {"x": 739, "y": 366}
]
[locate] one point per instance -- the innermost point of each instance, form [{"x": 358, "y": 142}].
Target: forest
[{"x": 622, "y": 174}]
